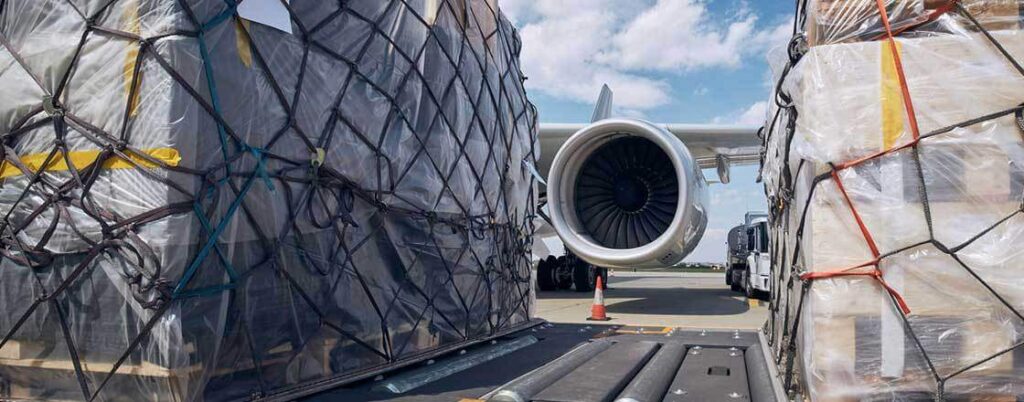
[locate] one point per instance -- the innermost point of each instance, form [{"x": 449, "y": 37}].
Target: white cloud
[
  {"x": 572, "y": 47},
  {"x": 754, "y": 115},
  {"x": 559, "y": 53},
  {"x": 514, "y": 9},
  {"x": 679, "y": 34}
]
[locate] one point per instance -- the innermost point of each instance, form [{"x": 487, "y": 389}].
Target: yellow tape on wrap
[
  {"x": 242, "y": 42},
  {"x": 82, "y": 159},
  {"x": 893, "y": 110}
]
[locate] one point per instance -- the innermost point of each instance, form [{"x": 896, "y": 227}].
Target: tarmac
[{"x": 663, "y": 298}]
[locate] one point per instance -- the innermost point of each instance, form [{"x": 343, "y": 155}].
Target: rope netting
[
  {"x": 954, "y": 325},
  {"x": 197, "y": 206}
]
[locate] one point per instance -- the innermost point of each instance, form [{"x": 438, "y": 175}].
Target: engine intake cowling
[{"x": 625, "y": 193}]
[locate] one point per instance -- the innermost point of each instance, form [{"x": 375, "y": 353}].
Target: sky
[{"x": 667, "y": 61}]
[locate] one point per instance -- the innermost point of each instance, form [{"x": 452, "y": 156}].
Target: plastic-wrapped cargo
[
  {"x": 894, "y": 167},
  {"x": 198, "y": 206},
  {"x": 839, "y": 21}
]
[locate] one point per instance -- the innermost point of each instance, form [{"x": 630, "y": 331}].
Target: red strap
[
  {"x": 874, "y": 273},
  {"x": 856, "y": 216},
  {"x": 934, "y": 15},
  {"x": 878, "y": 154}
]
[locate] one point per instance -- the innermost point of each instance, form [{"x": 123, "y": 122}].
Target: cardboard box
[{"x": 842, "y": 21}]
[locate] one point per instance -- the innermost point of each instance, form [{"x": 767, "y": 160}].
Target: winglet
[{"x": 603, "y": 110}]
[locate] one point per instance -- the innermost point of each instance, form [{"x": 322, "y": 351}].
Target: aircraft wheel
[
  {"x": 583, "y": 276},
  {"x": 562, "y": 274},
  {"x": 545, "y": 277}
]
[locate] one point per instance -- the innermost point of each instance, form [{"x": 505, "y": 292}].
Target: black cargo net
[
  {"x": 792, "y": 283},
  {"x": 198, "y": 206}
]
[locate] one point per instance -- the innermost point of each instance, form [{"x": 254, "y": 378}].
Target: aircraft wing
[{"x": 709, "y": 144}]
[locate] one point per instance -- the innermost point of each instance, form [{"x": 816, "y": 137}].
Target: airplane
[{"x": 627, "y": 193}]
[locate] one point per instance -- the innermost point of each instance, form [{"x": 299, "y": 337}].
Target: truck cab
[
  {"x": 748, "y": 265},
  {"x": 757, "y": 276}
]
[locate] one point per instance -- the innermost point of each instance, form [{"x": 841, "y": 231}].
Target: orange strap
[
  {"x": 856, "y": 216},
  {"x": 940, "y": 11},
  {"x": 874, "y": 273}
]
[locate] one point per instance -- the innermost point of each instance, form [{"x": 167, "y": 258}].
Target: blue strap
[
  {"x": 214, "y": 99},
  {"x": 222, "y": 16},
  {"x": 261, "y": 166},
  {"x": 211, "y": 243},
  {"x": 232, "y": 274},
  {"x": 205, "y": 251}
]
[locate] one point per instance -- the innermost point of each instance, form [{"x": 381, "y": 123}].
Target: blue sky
[{"x": 678, "y": 61}]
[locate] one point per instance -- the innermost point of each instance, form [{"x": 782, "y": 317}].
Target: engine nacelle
[{"x": 625, "y": 193}]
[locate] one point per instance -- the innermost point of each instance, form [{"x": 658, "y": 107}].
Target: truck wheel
[
  {"x": 748, "y": 289},
  {"x": 728, "y": 278},
  {"x": 583, "y": 276},
  {"x": 562, "y": 274},
  {"x": 545, "y": 279},
  {"x": 737, "y": 282}
]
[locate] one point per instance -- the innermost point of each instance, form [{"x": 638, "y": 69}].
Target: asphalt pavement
[{"x": 663, "y": 298}]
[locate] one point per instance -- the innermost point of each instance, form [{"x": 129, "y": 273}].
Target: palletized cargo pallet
[{"x": 22, "y": 358}]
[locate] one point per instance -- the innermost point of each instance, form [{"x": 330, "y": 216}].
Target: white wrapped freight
[{"x": 894, "y": 166}]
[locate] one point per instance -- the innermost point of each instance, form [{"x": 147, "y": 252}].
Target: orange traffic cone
[{"x": 597, "y": 310}]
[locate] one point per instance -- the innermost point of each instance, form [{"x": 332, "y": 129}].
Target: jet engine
[{"x": 625, "y": 193}]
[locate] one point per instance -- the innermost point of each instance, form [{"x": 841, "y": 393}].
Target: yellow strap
[
  {"x": 892, "y": 99},
  {"x": 82, "y": 159}
]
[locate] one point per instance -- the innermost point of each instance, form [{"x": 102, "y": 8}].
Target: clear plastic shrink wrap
[
  {"x": 895, "y": 176},
  {"x": 201, "y": 207}
]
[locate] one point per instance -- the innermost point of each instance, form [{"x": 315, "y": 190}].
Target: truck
[
  {"x": 748, "y": 266},
  {"x": 757, "y": 276}
]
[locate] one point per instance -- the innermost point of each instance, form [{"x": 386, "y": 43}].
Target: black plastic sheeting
[{"x": 200, "y": 207}]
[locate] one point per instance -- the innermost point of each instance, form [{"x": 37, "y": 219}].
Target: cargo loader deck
[
  {"x": 634, "y": 364},
  {"x": 573, "y": 363}
]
